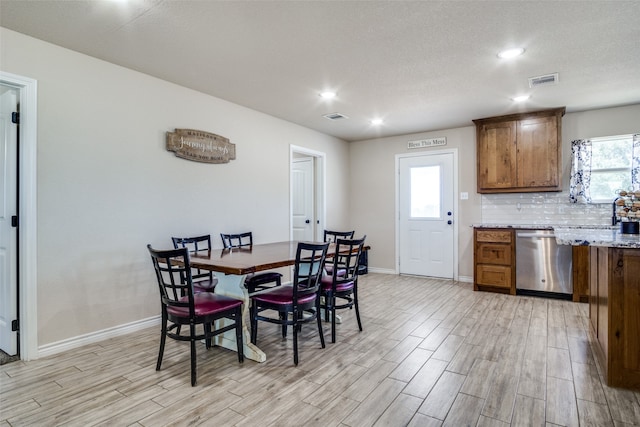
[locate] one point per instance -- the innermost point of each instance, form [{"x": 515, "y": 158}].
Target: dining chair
[
  {"x": 256, "y": 281},
  {"x": 342, "y": 288},
  {"x": 331, "y": 236},
  {"x": 182, "y": 306},
  {"x": 296, "y": 303},
  {"x": 203, "y": 280}
]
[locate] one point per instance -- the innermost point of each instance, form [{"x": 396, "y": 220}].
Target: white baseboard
[
  {"x": 116, "y": 331},
  {"x": 465, "y": 279},
  {"x": 381, "y": 270}
]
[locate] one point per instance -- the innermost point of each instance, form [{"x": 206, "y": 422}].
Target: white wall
[
  {"x": 373, "y": 191},
  {"x": 107, "y": 186}
]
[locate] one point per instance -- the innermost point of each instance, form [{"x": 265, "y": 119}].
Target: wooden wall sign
[{"x": 200, "y": 146}]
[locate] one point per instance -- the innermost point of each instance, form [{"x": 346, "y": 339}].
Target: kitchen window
[{"x": 602, "y": 166}]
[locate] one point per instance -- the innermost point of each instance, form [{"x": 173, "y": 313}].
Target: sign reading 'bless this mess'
[{"x": 200, "y": 146}]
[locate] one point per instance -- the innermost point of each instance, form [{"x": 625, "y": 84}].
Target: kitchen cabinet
[
  {"x": 494, "y": 260},
  {"x": 580, "y": 267},
  {"x": 613, "y": 313},
  {"x": 520, "y": 152}
]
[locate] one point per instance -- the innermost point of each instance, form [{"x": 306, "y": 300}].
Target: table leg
[{"x": 233, "y": 286}]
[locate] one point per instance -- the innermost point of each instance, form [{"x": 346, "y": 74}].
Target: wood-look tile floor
[{"x": 432, "y": 353}]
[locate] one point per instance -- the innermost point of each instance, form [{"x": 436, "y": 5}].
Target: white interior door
[
  {"x": 8, "y": 233},
  {"x": 303, "y": 217},
  {"x": 426, "y": 202}
]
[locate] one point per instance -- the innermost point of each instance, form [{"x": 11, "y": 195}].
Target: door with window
[{"x": 425, "y": 203}]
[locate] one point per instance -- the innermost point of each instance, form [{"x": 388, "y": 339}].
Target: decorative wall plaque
[
  {"x": 431, "y": 142},
  {"x": 200, "y": 146}
]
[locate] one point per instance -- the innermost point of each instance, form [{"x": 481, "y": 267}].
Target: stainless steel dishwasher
[{"x": 543, "y": 268}]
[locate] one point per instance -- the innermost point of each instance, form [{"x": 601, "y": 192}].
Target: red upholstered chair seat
[
  {"x": 282, "y": 295},
  {"x": 327, "y": 283},
  {"x": 204, "y": 304},
  {"x": 329, "y": 269}
]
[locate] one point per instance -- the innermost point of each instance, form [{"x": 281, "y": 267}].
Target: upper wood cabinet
[{"x": 520, "y": 152}]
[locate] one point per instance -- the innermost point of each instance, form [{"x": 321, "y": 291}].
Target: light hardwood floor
[{"x": 432, "y": 353}]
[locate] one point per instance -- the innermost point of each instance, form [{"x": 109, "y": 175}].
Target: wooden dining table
[{"x": 236, "y": 264}]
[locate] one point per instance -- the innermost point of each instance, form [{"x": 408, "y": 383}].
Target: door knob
[
  {"x": 449, "y": 222},
  {"x": 307, "y": 222}
]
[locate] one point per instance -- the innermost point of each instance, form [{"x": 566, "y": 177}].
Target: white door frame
[
  {"x": 27, "y": 217},
  {"x": 453, "y": 151},
  {"x": 320, "y": 193}
]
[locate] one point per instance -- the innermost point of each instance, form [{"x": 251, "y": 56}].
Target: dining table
[{"x": 233, "y": 266}]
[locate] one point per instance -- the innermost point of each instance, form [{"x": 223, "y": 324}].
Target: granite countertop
[
  {"x": 580, "y": 235},
  {"x": 516, "y": 226},
  {"x": 609, "y": 237}
]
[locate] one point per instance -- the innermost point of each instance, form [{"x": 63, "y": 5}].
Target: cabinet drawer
[
  {"x": 494, "y": 253},
  {"x": 493, "y": 275},
  {"x": 494, "y": 236}
]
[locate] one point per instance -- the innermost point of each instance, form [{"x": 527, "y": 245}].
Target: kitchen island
[{"x": 614, "y": 299}]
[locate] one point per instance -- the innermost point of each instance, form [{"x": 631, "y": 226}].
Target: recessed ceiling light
[
  {"x": 511, "y": 53},
  {"x": 520, "y": 98},
  {"x": 327, "y": 95},
  {"x": 376, "y": 122}
]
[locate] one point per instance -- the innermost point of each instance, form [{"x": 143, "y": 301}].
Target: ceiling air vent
[
  {"x": 547, "y": 79},
  {"x": 335, "y": 116}
]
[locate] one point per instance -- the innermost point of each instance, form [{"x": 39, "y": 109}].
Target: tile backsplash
[{"x": 543, "y": 209}]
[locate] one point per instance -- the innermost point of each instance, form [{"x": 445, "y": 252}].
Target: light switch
[{"x": 464, "y": 196}]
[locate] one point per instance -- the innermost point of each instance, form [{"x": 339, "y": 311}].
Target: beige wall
[
  {"x": 373, "y": 178},
  {"x": 107, "y": 186}
]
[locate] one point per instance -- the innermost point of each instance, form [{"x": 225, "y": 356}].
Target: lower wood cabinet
[
  {"x": 494, "y": 263},
  {"x": 494, "y": 260},
  {"x": 581, "y": 273},
  {"x": 614, "y": 314}
]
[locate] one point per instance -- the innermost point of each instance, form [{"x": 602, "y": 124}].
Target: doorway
[
  {"x": 307, "y": 194},
  {"x": 25, "y": 301},
  {"x": 426, "y": 206},
  {"x": 9, "y": 220}
]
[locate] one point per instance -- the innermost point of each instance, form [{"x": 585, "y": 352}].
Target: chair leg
[
  {"x": 326, "y": 307},
  {"x": 207, "y": 335},
  {"x": 253, "y": 313},
  {"x": 333, "y": 318},
  {"x": 319, "y": 322},
  {"x": 295, "y": 338},
  {"x": 192, "y": 330},
  {"x": 283, "y": 318},
  {"x": 163, "y": 340},
  {"x": 238, "y": 320},
  {"x": 355, "y": 302}
]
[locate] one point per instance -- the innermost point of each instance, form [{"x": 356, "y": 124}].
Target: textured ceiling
[{"x": 420, "y": 65}]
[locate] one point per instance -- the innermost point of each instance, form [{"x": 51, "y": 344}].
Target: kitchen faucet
[{"x": 614, "y": 217}]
